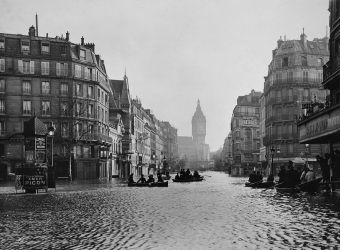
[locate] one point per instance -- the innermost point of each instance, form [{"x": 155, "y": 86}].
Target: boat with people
[
  {"x": 186, "y": 176},
  {"x": 154, "y": 184},
  {"x": 266, "y": 184},
  {"x": 283, "y": 188}
]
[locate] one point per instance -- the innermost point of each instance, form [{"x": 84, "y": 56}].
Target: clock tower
[{"x": 198, "y": 123}]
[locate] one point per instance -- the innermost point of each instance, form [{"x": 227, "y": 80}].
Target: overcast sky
[{"x": 176, "y": 51}]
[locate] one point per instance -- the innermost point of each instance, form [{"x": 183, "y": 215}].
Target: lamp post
[
  {"x": 278, "y": 151},
  {"x": 51, "y": 181},
  {"x": 306, "y": 152},
  {"x": 272, "y": 150},
  {"x": 51, "y": 134}
]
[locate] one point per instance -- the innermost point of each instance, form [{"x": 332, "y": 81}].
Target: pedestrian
[
  {"x": 282, "y": 174},
  {"x": 130, "y": 180}
]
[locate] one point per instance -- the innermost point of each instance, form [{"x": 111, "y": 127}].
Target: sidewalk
[{"x": 65, "y": 186}]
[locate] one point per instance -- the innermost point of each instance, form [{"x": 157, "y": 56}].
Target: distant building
[
  {"x": 194, "y": 149},
  {"x": 294, "y": 79},
  {"x": 320, "y": 123},
  {"x": 245, "y": 134}
]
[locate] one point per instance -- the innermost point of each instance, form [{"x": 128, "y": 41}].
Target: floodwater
[{"x": 218, "y": 213}]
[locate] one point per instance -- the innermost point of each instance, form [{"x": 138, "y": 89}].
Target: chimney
[
  {"x": 67, "y": 36},
  {"x": 31, "y": 31},
  {"x": 36, "y": 22},
  {"x": 303, "y": 37},
  {"x": 82, "y": 41},
  {"x": 279, "y": 42}
]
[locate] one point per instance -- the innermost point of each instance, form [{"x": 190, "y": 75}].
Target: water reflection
[{"x": 219, "y": 213}]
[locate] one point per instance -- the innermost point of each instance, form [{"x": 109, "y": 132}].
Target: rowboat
[
  {"x": 192, "y": 179},
  {"x": 263, "y": 184},
  {"x": 311, "y": 186},
  {"x": 252, "y": 184},
  {"x": 284, "y": 189},
  {"x": 155, "y": 184}
]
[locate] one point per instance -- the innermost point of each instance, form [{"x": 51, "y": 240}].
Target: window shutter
[
  {"x": 47, "y": 70},
  {"x": 65, "y": 69},
  {"x": 58, "y": 69},
  {"x": 20, "y": 66},
  {"x": 31, "y": 67}
]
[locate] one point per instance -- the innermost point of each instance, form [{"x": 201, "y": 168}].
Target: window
[
  {"x": 79, "y": 129},
  {"x": 26, "y": 107},
  {"x": 2, "y": 64},
  {"x": 25, "y": 46},
  {"x": 87, "y": 73},
  {"x": 98, "y": 94},
  {"x": 320, "y": 61},
  {"x": 2, "y": 106},
  {"x": 305, "y": 76},
  {"x": 77, "y": 71},
  {"x": 64, "y": 129},
  {"x": 82, "y": 54},
  {"x": 45, "y": 88},
  {"x": 61, "y": 69},
  {"x": 45, "y": 107},
  {"x": 63, "y": 88},
  {"x": 278, "y": 95},
  {"x": 90, "y": 110},
  {"x": 290, "y": 95},
  {"x": 90, "y": 91},
  {"x": 2, "y": 85},
  {"x": 290, "y": 75},
  {"x": 90, "y": 129},
  {"x": 285, "y": 62},
  {"x": 26, "y": 67},
  {"x": 26, "y": 87},
  {"x": 2, "y": 43},
  {"x": 304, "y": 61},
  {"x": 45, "y": 48},
  {"x": 78, "y": 108},
  {"x": 63, "y": 108},
  {"x": 2, "y": 128},
  {"x": 78, "y": 90},
  {"x": 45, "y": 68}
]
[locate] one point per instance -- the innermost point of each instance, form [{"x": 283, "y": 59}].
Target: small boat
[
  {"x": 251, "y": 184},
  {"x": 311, "y": 186},
  {"x": 284, "y": 189},
  {"x": 166, "y": 177},
  {"x": 266, "y": 184},
  {"x": 192, "y": 179},
  {"x": 155, "y": 184}
]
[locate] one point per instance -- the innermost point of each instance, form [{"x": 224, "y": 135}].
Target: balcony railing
[{"x": 312, "y": 108}]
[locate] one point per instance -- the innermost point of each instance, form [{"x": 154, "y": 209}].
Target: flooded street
[{"x": 218, "y": 213}]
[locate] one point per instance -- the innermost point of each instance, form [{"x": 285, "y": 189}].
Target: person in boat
[
  {"x": 151, "y": 179},
  {"x": 188, "y": 173},
  {"x": 196, "y": 174},
  {"x": 159, "y": 178},
  {"x": 270, "y": 178},
  {"x": 259, "y": 176},
  {"x": 177, "y": 176},
  {"x": 131, "y": 180},
  {"x": 292, "y": 177},
  {"x": 307, "y": 175},
  {"x": 252, "y": 177},
  {"x": 282, "y": 174},
  {"x": 182, "y": 173},
  {"x": 141, "y": 179},
  {"x": 167, "y": 174}
]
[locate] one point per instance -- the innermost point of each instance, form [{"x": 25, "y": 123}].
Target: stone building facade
[
  {"x": 320, "y": 122},
  {"x": 294, "y": 79},
  {"x": 65, "y": 85},
  {"x": 245, "y": 134}
]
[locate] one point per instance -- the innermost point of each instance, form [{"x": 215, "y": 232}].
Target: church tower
[{"x": 198, "y": 123}]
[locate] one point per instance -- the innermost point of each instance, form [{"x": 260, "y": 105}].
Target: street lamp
[
  {"x": 278, "y": 154},
  {"x": 51, "y": 134},
  {"x": 307, "y": 151},
  {"x": 272, "y": 150}
]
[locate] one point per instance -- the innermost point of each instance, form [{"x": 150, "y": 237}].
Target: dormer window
[
  {"x": 25, "y": 46},
  {"x": 45, "y": 48},
  {"x": 82, "y": 54},
  {"x": 2, "y": 43}
]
